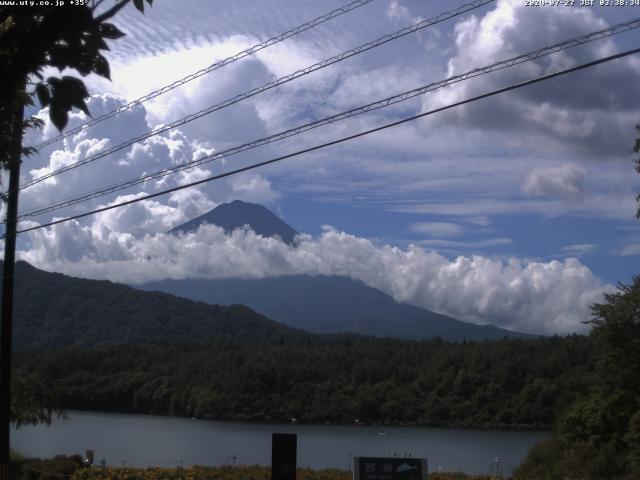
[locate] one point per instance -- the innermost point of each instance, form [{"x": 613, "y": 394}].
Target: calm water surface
[{"x": 168, "y": 441}]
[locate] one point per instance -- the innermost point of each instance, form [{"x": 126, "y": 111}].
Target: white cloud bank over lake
[{"x": 124, "y": 246}]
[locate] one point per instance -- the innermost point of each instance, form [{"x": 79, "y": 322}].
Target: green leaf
[
  {"x": 66, "y": 93},
  {"x": 44, "y": 96},
  {"x": 75, "y": 86},
  {"x": 74, "y": 93},
  {"x": 54, "y": 81},
  {"x": 101, "y": 66},
  {"x": 83, "y": 106},
  {"x": 32, "y": 122},
  {"x": 84, "y": 64},
  {"x": 71, "y": 92},
  {"x": 97, "y": 42},
  {"x": 60, "y": 57},
  {"x": 28, "y": 151},
  {"x": 110, "y": 31},
  {"x": 58, "y": 116},
  {"x": 139, "y": 4}
]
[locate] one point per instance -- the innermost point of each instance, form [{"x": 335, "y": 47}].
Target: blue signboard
[{"x": 382, "y": 468}]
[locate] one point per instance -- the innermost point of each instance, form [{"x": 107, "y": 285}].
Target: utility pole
[
  {"x": 496, "y": 461},
  {"x": 6, "y": 321}
]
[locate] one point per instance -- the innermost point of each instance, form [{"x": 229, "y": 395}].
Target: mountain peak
[{"x": 237, "y": 214}]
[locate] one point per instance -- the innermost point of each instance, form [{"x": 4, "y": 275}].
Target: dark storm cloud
[{"x": 590, "y": 112}]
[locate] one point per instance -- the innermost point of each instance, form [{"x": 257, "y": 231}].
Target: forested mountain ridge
[
  {"x": 330, "y": 304},
  {"x": 52, "y": 310},
  {"x": 319, "y": 304}
]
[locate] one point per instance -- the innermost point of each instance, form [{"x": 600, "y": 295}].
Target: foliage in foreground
[
  {"x": 73, "y": 468},
  {"x": 35, "y": 39},
  {"x": 61, "y": 466},
  {"x": 31, "y": 400},
  {"x": 598, "y": 437},
  {"x": 201, "y": 473}
]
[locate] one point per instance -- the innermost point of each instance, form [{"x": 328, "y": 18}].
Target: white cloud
[
  {"x": 538, "y": 297},
  {"x": 437, "y": 229},
  {"x": 480, "y": 172},
  {"x": 400, "y": 15},
  {"x": 472, "y": 163},
  {"x": 252, "y": 187},
  {"x": 564, "y": 182},
  {"x": 490, "y": 206},
  {"x": 395, "y": 11},
  {"x": 138, "y": 219},
  {"x": 173, "y": 147},
  {"x": 481, "y": 221},
  {"x": 629, "y": 250},
  {"x": 191, "y": 202},
  {"x": 451, "y": 244},
  {"x": 578, "y": 249},
  {"x": 580, "y": 113}
]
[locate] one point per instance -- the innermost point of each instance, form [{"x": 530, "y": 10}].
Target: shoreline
[
  {"x": 139, "y": 439},
  {"x": 280, "y": 424}
]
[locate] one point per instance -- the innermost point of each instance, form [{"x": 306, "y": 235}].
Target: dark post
[
  {"x": 283, "y": 456},
  {"x": 89, "y": 457},
  {"x": 7, "y": 299}
]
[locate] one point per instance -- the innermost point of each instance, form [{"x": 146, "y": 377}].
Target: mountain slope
[
  {"x": 52, "y": 310},
  {"x": 236, "y": 214},
  {"x": 325, "y": 304}
]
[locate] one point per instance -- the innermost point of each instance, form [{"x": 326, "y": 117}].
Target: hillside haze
[
  {"x": 320, "y": 304},
  {"x": 237, "y": 214},
  {"x": 331, "y": 304},
  {"x": 52, "y": 310}
]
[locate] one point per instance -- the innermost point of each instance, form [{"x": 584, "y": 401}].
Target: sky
[{"x": 517, "y": 210}]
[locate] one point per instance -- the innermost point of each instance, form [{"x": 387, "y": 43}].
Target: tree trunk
[{"x": 6, "y": 323}]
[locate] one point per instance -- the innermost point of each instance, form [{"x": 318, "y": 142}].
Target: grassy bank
[{"x": 73, "y": 469}]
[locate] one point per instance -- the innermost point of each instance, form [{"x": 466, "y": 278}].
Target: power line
[
  {"x": 215, "y": 66},
  {"x": 340, "y": 140},
  {"x": 530, "y": 56},
  {"x": 267, "y": 86},
  {"x": 356, "y": 111}
]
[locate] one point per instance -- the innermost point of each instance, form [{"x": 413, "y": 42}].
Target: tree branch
[
  {"x": 112, "y": 11},
  {"x": 96, "y": 4}
]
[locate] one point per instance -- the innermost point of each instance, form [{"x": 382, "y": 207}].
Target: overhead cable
[
  {"x": 267, "y": 86},
  {"x": 335, "y": 142},
  {"x": 214, "y": 66},
  {"x": 530, "y": 56}
]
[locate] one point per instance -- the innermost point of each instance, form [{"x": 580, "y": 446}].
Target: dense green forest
[
  {"x": 598, "y": 436},
  {"x": 587, "y": 388},
  {"x": 54, "y": 310},
  {"x": 506, "y": 383},
  {"x": 242, "y": 366}
]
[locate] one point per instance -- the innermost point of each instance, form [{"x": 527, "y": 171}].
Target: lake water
[{"x": 167, "y": 441}]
